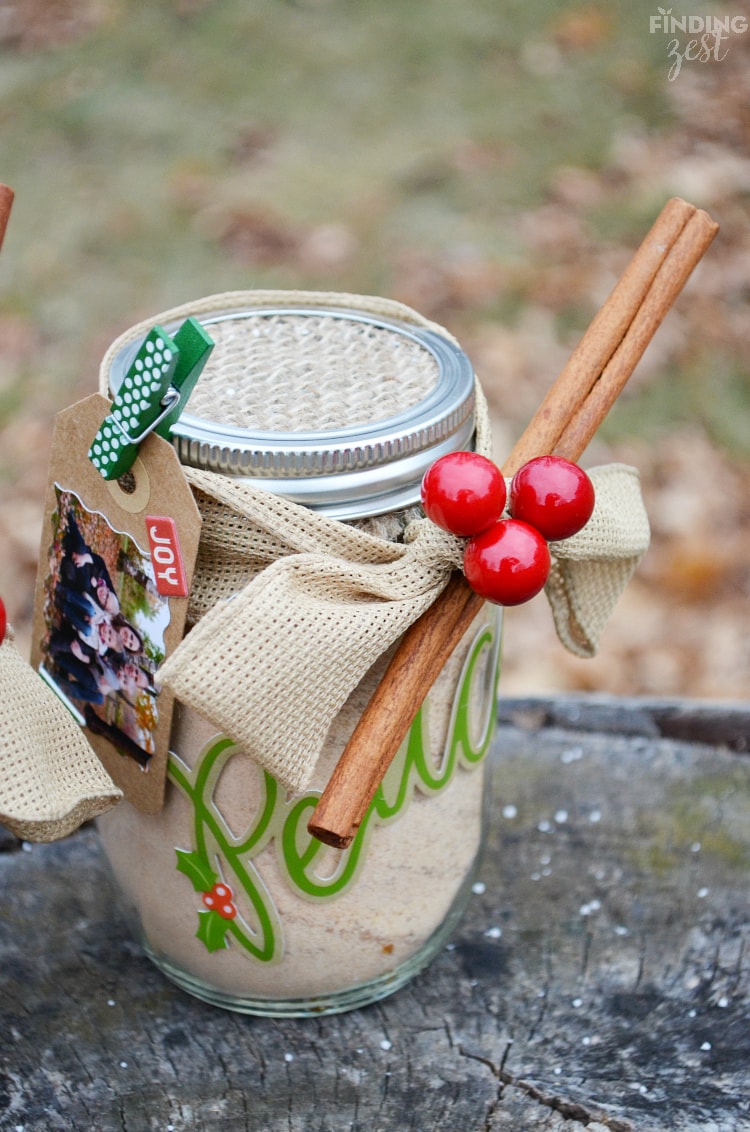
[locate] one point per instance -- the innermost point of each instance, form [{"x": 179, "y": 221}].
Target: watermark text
[{"x": 695, "y": 38}]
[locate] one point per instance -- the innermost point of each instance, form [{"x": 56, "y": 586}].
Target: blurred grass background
[{"x": 494, "y": 165}]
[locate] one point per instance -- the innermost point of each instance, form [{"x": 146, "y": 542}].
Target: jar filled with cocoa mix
[{"x": 305, "y": 442}]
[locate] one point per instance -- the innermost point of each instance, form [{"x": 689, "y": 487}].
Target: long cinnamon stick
[
  {"x": 604, "y": 335},
  {"x": 565, "y": 423},
  {"x": 6, "y": 203},
  {"x": 689, "y": 247}
]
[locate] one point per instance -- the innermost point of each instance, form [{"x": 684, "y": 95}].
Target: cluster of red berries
[
  {"x": 220, "y": 899},
  {"x": 507, "y": 561},
  {"x": 3, "y": 621}
]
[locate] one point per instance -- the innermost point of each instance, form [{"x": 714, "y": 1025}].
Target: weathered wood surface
[{"x": 599, "y": 980}]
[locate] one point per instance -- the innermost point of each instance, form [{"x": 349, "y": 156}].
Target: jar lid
[{"x": 334, "y": 408}]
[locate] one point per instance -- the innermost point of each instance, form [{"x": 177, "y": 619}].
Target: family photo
[{"x": 104, "y": 628}]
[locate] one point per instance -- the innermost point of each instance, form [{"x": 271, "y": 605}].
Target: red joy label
[{"x": 166, "y": 557}]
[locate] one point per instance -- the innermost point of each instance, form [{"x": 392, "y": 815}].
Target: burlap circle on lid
[{"x": 287, "y": 372}]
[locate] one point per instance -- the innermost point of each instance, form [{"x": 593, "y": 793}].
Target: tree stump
[{"x": 599, "y": 978}]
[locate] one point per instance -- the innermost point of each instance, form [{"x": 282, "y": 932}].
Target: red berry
[
  {"x": 463, "y": 493},
  {"x": 3, "y": 621},
  {"x": 552, "y": 494},
  {"x": 219, "y": 899},
  {"x": 508, "y": 563}
]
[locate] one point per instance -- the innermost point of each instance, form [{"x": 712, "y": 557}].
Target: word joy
[
  {"x": 167, "y": 557},
  {"x": 708, "y": 36}
]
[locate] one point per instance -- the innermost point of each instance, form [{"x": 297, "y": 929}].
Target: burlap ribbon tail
[{"x": 51, "y": 779}]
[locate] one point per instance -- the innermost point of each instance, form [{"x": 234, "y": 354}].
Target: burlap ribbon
[
  {"x": 51, "y": 780},
  {"x": 307, "y": 604},
  {"x": 291, "y": 609}
]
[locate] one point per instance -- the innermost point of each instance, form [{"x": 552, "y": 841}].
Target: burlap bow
[
  {"x": 307, "y": 604},
  {"x": 291, "y": 608}
]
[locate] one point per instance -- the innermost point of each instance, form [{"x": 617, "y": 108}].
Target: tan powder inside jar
[{"x": 413, "y": 869}]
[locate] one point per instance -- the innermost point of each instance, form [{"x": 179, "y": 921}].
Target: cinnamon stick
[
  {"x": 689, "y": 247},
  {"x": 423, "y": 650},
  {"x": 564, "y": 423},
  {"x": 6, "y": 203},
  {"x": 604, "y": 335}
]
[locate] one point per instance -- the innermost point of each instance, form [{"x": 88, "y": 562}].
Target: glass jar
[{"x": 339, "y": 407}]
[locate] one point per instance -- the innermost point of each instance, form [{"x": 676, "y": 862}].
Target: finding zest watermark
[{"x": 695, "y": 39}]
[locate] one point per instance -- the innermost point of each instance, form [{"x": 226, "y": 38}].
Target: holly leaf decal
[
  {"x": 196, "y": 869},
  {"x": 212, "y": 930}
]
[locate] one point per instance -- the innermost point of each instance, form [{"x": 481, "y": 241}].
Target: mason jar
[{"x": 338, "y": 404}]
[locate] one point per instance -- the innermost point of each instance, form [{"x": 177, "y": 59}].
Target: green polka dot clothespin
[
  {"x": 194, "y": 347},
  {"x": 143, "y": 400}
]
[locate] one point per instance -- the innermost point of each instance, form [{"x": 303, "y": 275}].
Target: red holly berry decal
[
  {"x": 552, "y": 494},
  {"x": 220, "y": 899},
  {"x": 507, "y": 561},
  {"x": 3, "y": 621},
  {"x": 463, "y": 493}
]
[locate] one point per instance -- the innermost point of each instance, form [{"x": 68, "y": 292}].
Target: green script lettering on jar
[{"x": 257, "y": 928}]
